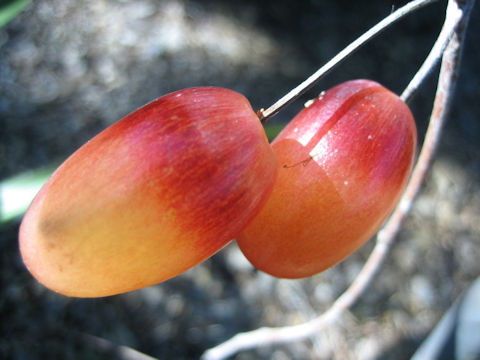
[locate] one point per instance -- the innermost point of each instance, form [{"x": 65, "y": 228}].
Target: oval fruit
[
  {"x": 151, "y": 196},
  {"x": 343, "y": 163}
]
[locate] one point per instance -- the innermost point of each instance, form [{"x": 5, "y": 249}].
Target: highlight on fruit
[
  {"x": 151, "y": 196},
  {"x": 343, "y": 164}
]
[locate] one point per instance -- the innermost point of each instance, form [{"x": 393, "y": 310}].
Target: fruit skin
[
  {"x": 151, "y": 196},
  {"x": 343, "y": 163}
]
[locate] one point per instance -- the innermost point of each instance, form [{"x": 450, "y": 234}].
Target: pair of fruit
[{"x": 173, "y": 182}]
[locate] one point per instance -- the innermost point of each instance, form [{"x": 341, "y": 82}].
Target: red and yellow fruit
[
  {"x": 343, "y": 163},
  {"x": 151, "y": 196},
  {"x": 171, "y": 183}
]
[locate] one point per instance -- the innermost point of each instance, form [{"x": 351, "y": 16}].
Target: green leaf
[
  {"x": 10, "y": 8},
  {"x": 273, "y": 130},
  {"x": 17, "y": 192}
]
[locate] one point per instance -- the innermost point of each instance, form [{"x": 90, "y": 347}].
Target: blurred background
[{"x": 70, "y": 68}]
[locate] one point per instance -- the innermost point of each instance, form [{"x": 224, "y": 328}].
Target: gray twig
[{"x": 456, "y": 20}]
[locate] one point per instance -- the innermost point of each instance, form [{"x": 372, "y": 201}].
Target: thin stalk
[{"x": 291, "y": 96}]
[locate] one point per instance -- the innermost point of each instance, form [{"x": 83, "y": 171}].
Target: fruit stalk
[{"x": 293, "y": 94}]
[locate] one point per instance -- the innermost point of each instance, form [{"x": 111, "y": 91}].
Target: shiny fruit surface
[
  {"x": 343, "y": 164},
  {"x": 151, "y": 196}
]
